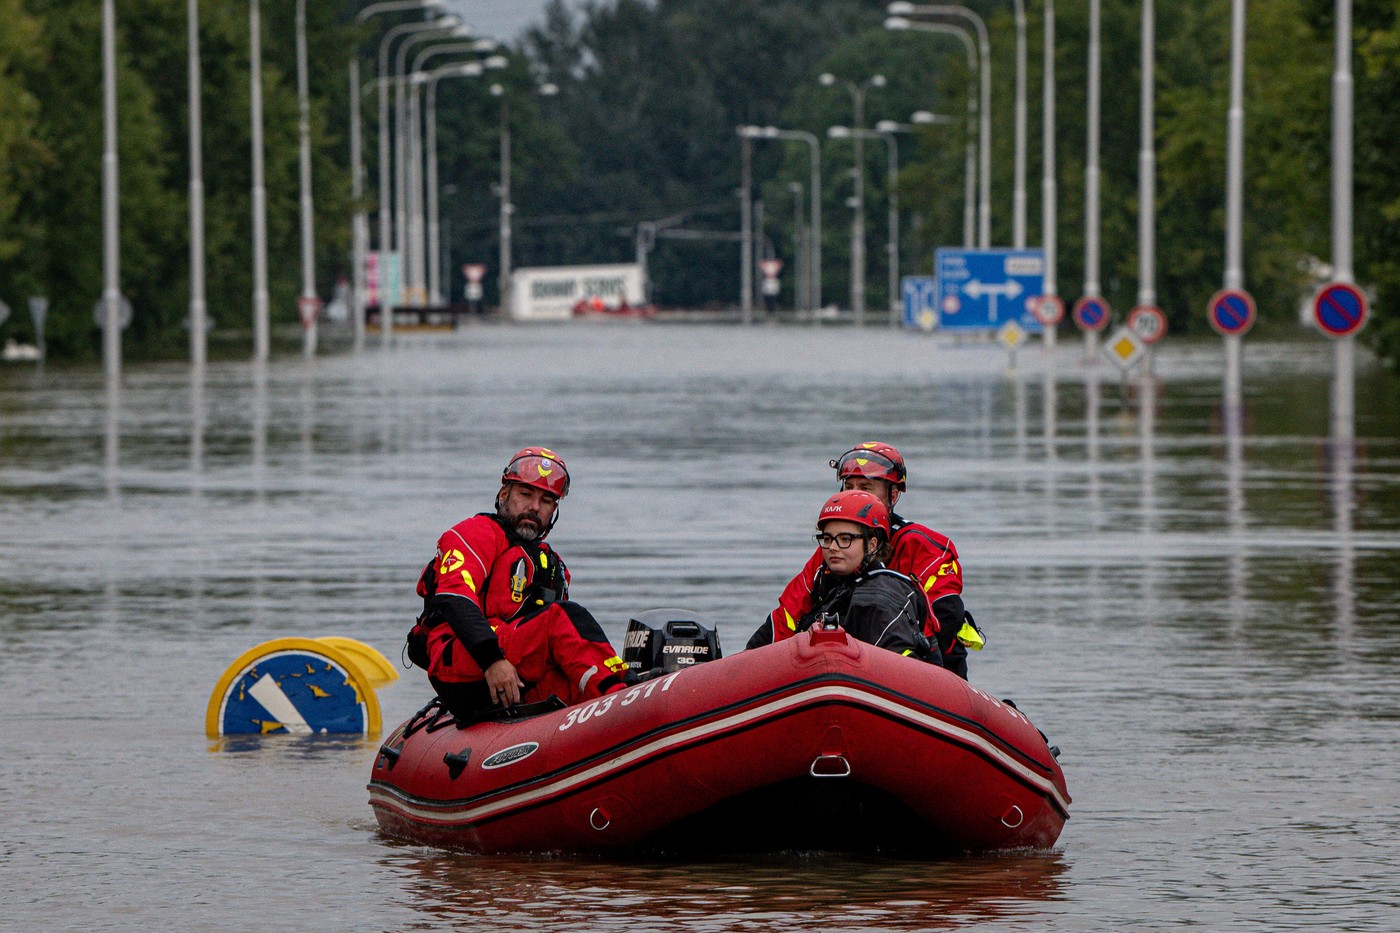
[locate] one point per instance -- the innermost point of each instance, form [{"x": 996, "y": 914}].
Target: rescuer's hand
[{"x": 503, "y": 683}]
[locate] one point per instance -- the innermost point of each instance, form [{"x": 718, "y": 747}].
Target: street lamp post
[
  {"x": 1049, "y": 191},
  {"x": 857, "y": 91},
  {"x": 111, "y": 245},
  {"x": 976, "y": 64},
  {"x": 359, "y": 231},
  {"x": 406, "y": 156},
  {"x": 884, "y": 130},
  {"x": 814, "y": 291},
  {"x": 897, "y": 21},
  {"x": 198, "y": 305},
  {"x": 799, "y": 250},
  {"x": 507, "y": 206},
  {"x": 261, "y": 324},
  {"x": 424, "y": 265},
  {"x": 1147, "y": 168},
  {"x": 461, "y": 70},
  {"x": 386, "y": 239},
  {"x": 1092, "y": 287},
  {"x": 307, "y": 305}
]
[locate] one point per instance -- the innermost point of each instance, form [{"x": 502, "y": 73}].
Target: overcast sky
[{"x": 499, "y": 19}]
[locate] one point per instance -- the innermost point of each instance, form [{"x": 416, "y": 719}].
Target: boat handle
[
  {"x": 822, "y": 764},
  {"x": 1019, "y": 815},
  {"x": 593, "y": 819}
]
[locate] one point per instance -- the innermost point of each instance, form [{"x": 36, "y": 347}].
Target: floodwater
[{"x": 1204, "y": 619}]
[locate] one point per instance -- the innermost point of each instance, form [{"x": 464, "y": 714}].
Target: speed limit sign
[{"x": 1148, "y": 322}]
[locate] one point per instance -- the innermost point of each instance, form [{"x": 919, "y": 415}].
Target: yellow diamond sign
[
  {"x": 1125, "y": 348},
  {"x": 1012, "y": 335}
]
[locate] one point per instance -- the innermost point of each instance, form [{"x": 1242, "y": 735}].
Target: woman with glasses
[
  {"x": 916, "y": 550},
  {"x": 854, "y": 589}
]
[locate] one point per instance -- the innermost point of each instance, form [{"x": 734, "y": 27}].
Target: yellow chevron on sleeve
[
  {"x": 791, "y": 622},
  {"x": 467, "y": 579}
]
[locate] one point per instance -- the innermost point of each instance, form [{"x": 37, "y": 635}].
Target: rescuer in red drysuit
[
  {"x": 854, "y": 589},
  {"x": 497, "y": 621},
  {"x": 918, "y": 552}
]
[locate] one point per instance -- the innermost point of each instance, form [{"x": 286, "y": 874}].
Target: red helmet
[
  {"x": 859, "y": 507},
  {"x": 872, "y": 460},
  {"x": 539, "y": 467}
]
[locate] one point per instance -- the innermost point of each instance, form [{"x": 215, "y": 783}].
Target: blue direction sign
[
  {"x": 1091, "y": 313},
  {"x": 920, "y": 301},
  {"x": 1340, "y": 309},
  {"x": 983, "y": 289},
  {"x": 1231, "y": 312}
]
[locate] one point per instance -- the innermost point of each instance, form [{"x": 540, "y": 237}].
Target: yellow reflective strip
[
  {"x": 928, "y": 584},
  {"x": 907, "y": 651},
  {"x": 544, "y": 560},
  {"x": 467, "y": 579},
  {"x": 791, "y": 622}
]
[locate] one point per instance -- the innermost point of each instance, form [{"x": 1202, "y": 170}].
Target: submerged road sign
[{"x": 982, "y": 289}]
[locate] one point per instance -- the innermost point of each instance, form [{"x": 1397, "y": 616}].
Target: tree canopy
[{"x": 643, "y": 129}]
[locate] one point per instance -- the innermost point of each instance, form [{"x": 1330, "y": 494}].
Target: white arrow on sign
[
  {"x": 283, "y": 710},
  {"x": 1007, "y": 289}
]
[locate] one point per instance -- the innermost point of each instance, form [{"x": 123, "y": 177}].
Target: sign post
[
  {"x": 771, "y": 269},
  {"x": 309, "y": 307},
  {"x": 474, "y": 272}
]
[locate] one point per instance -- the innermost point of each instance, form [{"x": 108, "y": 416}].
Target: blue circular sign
[
  {"x": 1091, "y": 313},
  {"x": 1340, "y": 309},
  {"x": 1231, "y": 312}
]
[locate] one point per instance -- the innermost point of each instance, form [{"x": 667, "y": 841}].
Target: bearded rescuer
[
  {"x": 917, "y": 551},
  {"x": 497, "y": 626}
]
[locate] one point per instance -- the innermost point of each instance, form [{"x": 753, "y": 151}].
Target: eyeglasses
[{"x": 842, "y": 540}]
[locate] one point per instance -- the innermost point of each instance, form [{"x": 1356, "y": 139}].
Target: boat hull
[{"x": 818, "y": 741}]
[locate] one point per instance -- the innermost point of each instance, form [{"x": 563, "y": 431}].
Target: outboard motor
[{"x": 661, "y": 641}]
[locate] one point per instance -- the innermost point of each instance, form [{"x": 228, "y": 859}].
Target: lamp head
[
  {"x": 896, "y": 23},
  {"x": 877, "y": 80},
  {"x": 900, "y": 8},
  {"x": 826, "y": 78},
  {"x": 839, "y": 132}
]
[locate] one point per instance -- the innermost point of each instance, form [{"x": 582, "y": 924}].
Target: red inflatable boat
[{"x": 817, "y": 742}]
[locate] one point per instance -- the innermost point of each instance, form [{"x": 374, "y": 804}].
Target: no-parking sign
[
  {"x": 1091, "y": 313},
  {"x": 1340, "y": 309},
  {"x": 1231, "y": 312}
]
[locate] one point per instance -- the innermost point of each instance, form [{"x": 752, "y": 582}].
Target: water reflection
[
  {"x": 1237, "y": 560},
  {"x": 111, "y": 439},
  {"x": 259, "y": 429},
  {"x": 1342, "y": 476},
  {"x": 789, "y": 892},
  {"x": 199, "y": 420}
]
